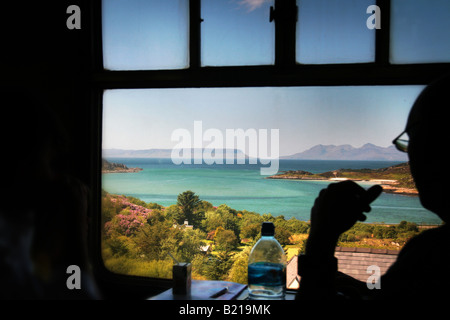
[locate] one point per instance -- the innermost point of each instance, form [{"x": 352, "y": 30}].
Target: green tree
[
  {"x": 268, "y": 217},
  {"x": 226, "y": 240},
  {"x": 156, "y": 216},
  {"x": 229, "y": 218},
  {"x": 188, "y": 201},
  {"x": 225, "y": 261},
  {"x": 301, "y": 250},
  {"x": 205, "y": 206},
  {"x": 153, "y": 205},
  {"x": 296, "y": 226},
  {"x": 137, "y": 201},
  {"x": 405, "y": 226},
  {"x": 212, "y": 221},
  {"x": 199, "y": 263},
  {"x": 152, "y": 240},
  {"x": 250, "y": 231},
  {"x": 250, "y": 225},
  {"x": 239, "y": 270},
  {"x": 283, "y": 236},
  {"x": 191, "y": 244},
  {"x": 119, "y": 245},
  {"x": 390, "y": 232},
  {"x": 170, "y": 245},
  {"x": 173, "y": 214},
  {"x": 109, "y": 208},
  {"x": 217, "y": 267}
]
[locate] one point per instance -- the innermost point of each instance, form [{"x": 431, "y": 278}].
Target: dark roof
[
  {"x": 351, "y": 261},
  {"x": 355, "y": 261}
]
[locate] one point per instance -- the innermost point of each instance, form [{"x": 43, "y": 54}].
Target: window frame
[{"x": 285, "y": 72}]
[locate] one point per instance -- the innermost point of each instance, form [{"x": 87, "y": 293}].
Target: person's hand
[{"x": 337, "y": 208}]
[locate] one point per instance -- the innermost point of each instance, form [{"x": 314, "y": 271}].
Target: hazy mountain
[
  {"x": 148, "y": 153},
  {"x": 319, "y": 152},
  {"x": 156, "y": 153},
  {"x": 347, "y": 152}
]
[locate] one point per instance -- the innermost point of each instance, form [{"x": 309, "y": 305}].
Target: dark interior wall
[{"x": 41, "y": 56}]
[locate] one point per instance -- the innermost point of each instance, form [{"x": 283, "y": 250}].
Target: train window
[
  {"x": 145, "y": 35},
  {"x": 334, "y": 32},
  {"x": 237, "y": 33},
  {"x": 167, "y": 71},
  {"x": 146, "y": 189},
  {"x": 419, "y": 31}
]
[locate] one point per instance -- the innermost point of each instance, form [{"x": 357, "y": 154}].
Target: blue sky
[
  {"x": 237, "y": 32},
  {"x": 146, "y": 118},
  {"x": 334, "y": 31},
  {"x": 143, "y": 34},
  {"x": 420, "y": 32}
]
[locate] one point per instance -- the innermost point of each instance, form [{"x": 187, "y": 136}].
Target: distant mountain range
[
  {"x": 155, "y": 153},
  {"x": 147, "y": 153},
  {"x": 319, "y": 152},
  {"x": 347, "y": 152}
]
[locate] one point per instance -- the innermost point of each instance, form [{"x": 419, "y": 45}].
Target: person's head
[{"x": 427, "y": 149}]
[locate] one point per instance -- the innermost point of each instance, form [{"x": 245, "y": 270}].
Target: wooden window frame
[{"x": 285, "y": 72}]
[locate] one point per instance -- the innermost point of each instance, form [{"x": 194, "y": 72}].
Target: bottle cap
[{"x": 267, "y": 229}]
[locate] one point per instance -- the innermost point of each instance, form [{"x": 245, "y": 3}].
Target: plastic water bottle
[{"x": 267, "y": 267}]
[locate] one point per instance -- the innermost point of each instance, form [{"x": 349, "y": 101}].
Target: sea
[{"x": 242, "y": 187}]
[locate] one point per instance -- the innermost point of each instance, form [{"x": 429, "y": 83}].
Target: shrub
[
  {"x": 226, "y": 240},
  {"x": 239, "y": 270},
  {"x": 135, "y": 267},
  {"x": 127, "y": 222}
]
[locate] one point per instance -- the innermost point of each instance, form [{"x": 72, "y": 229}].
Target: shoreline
[
  {"x": 112, "y": 167},
  {"x": 396, "y": 179},
  {"x": 128, "y": 170},
  {"x": 389, "y": 186},
  {"x": 420, "y": 225}
]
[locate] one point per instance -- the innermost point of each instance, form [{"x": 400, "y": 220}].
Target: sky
[
  {"x": 144, "y": 34},
  {"x": 305, "y": 116},
  {"x": 237, "y": 32},
  {"x": 334, "y": 31}
]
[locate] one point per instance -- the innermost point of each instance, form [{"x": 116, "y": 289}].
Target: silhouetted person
[
  {"x": 421, "y": 269},
  {"x": 42, "y": 209}
]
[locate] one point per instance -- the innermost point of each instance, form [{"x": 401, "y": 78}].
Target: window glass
[
  {"x": 419, "y": 31},
  {"x": 334, "y": 31},
  {"x": 237, "y": 32},
  {"x": 158, "y": 145},
  {"x": 145, "y": 34}
]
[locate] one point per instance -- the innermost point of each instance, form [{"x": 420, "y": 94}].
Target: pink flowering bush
[{"x": 129, "y": 220}]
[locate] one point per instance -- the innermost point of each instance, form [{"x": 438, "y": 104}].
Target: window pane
[
  {"x": 143, "y": 34},
  {"x": 420, "y": 31},
  {"x": 342, "y": 127},
  {"x": 237, "y": 33},
  {"x": 334, "y": 31}
]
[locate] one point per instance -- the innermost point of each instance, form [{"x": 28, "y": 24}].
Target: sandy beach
[{"x": 389, "y": 186}]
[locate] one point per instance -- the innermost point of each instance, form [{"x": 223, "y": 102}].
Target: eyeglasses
[{"x": 401, "y": 142}]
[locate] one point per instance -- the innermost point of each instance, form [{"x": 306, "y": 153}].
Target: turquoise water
[{"x": 241, "y": 187}]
